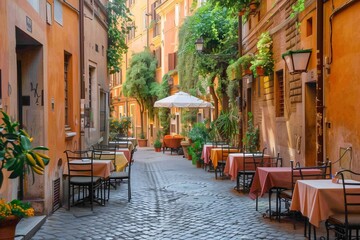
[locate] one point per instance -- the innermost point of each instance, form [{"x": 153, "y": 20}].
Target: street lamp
[
  {"x": 297, "y": 61},
  {"x": 199, "y": 44}
]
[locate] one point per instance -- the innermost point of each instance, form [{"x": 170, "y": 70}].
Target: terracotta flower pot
[
  {"x": 8, "y": 227},
  {"x": 157, "y": 149},
  {"x": 253, "y": 6},
  {"x": 247, "y": 71},
  {"x": 142, "y": 142},
  {"x": 242, "y": 12},
  {"x": 260, "y": 71}
]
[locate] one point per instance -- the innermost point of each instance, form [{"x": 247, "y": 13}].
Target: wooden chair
[
  {"x": 344, "y": 223},
  {"x": 81, "y": 179}
]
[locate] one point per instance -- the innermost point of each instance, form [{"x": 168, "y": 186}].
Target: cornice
[{"x": 166, "y": 7}]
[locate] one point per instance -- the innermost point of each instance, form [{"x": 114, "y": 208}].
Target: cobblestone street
[{"x": 171, "y": 199}]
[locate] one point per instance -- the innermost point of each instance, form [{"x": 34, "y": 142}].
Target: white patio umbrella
[{"x": 182, "y": 100}]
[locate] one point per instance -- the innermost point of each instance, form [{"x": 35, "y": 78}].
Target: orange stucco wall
[{"x": 342, "y": 83}]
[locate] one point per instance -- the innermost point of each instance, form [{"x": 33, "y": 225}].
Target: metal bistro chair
[
  {"x": 125, "y": 175},
  {"x": 301, "y": 173},
  {"x": 274, "y": 162},
  {"x": 225, "y": 151},
  {"x": 81, "y": 179},
  {"x": 106, "y": 152},
  {"x": 344, "y": 223},
  {"x": 251, "y": 160}
]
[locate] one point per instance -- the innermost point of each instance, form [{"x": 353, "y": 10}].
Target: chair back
[
  {"x": 308, "y": 173},
  {"x": 104, "y": 152},
  {"x": 351, "y": 190},
  {"x": 258, "y": 158},
  {"x": 80, "y": 163},
  {"x": 276, "y": 161},
  {"x": 226, "y": 150}
]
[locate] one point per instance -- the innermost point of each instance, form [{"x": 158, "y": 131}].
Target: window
[
  {"x": 177, "y": 14},
  {"x": 96, "y": 47},
  {"x": 35, "y": 4},
  {"x": 58, "y": 12},
  {"x": 172, "y": 57},
  {"x": 158, "y": 57},
  {"x": 90, "y": 94},
  {"x": 309, "y": 26},
  {"x": 48, "y": 13},
  {"x": 121, "y": 111},
  {"x": 67, "y": 85},
  {"x": 279, "y": 94}
]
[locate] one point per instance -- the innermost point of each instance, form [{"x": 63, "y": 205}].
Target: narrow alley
[{"x": 171, "y": 199}]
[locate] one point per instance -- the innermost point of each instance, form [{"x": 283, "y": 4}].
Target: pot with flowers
[
  {"x": 10, "y": 215},
  {"x": 17, "y": 156}
]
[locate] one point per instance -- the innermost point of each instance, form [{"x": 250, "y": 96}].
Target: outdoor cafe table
[
  {"x": 272, "y": 177},
  {"x": 235, "y": 163},
  {"x": 205, "y": 154},
  {"x": 216, "y": 155},
  {"x": 101, "y": 168},
  {"x": 123, "y": 144},
  {"x": 318, "y": 199},
  {"x": 125, "y": 151}
]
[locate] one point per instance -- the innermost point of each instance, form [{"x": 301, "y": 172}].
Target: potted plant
[
  {"x": 142, "y": 141},
  {"x": 245, "y": 62},
  {"x": 157, "y": 145},
  {"x": 264, "y": 57},
  {"x": 10, "y": 215},
  {"x": 195, "y": 151},
  {"x": 17, "y": 156}
]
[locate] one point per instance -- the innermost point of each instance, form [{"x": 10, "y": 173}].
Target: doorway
[
  {"x": 30, "y": 100},
  {"x": 310, "y": 124}
]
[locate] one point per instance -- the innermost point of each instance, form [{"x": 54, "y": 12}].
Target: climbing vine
[{"x": 119, "y": 25}]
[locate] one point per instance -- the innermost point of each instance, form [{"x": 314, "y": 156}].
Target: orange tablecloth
[
  {"x": 235, "y": 163},
  {"x": 318, "y": 199},
  {"x": 205, "y": 154},
  {"x": 101, "y": 168},
  {"x": 269, "y": 177},
  {"x": 216, "y": 155}
]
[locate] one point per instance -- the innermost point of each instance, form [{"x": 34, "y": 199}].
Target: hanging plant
[{"x": 264, "y": 57}]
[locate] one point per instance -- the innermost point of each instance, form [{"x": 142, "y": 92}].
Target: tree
[
  {"x": 161, "y": 91},
  {"x": 219, "y": 32},
  {"x": 139, "y": 82},
  {"x": 119, "y": 25}
]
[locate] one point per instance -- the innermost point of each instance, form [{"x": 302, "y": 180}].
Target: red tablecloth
[{"x": 235, "y": 163}]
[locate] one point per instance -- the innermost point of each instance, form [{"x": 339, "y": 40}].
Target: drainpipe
[
  {"x": 319, "y": 83},
  {"x": 82, "y": 70},
  {"x": 240, "y": 83}
]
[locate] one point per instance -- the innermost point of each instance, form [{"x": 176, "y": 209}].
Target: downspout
[
  {"x": 240, "y": 104},
  {"x": 319, "y": 83},
  {"x": 82, "y": 70}
]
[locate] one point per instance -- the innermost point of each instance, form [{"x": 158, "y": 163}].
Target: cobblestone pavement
[{"x": 171, "y": 199}]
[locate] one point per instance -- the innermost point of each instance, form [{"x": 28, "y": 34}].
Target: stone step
[{"x": 27, "y": 227}]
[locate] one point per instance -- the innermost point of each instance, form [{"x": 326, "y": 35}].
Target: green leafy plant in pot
[
  {"x": 264, "y": 57},
  {"x": 195, "y": 152},
  {"x": 17, "y": 155}
]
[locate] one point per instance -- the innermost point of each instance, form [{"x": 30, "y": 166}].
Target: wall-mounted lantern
[{"x": 297, "y": 61}]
